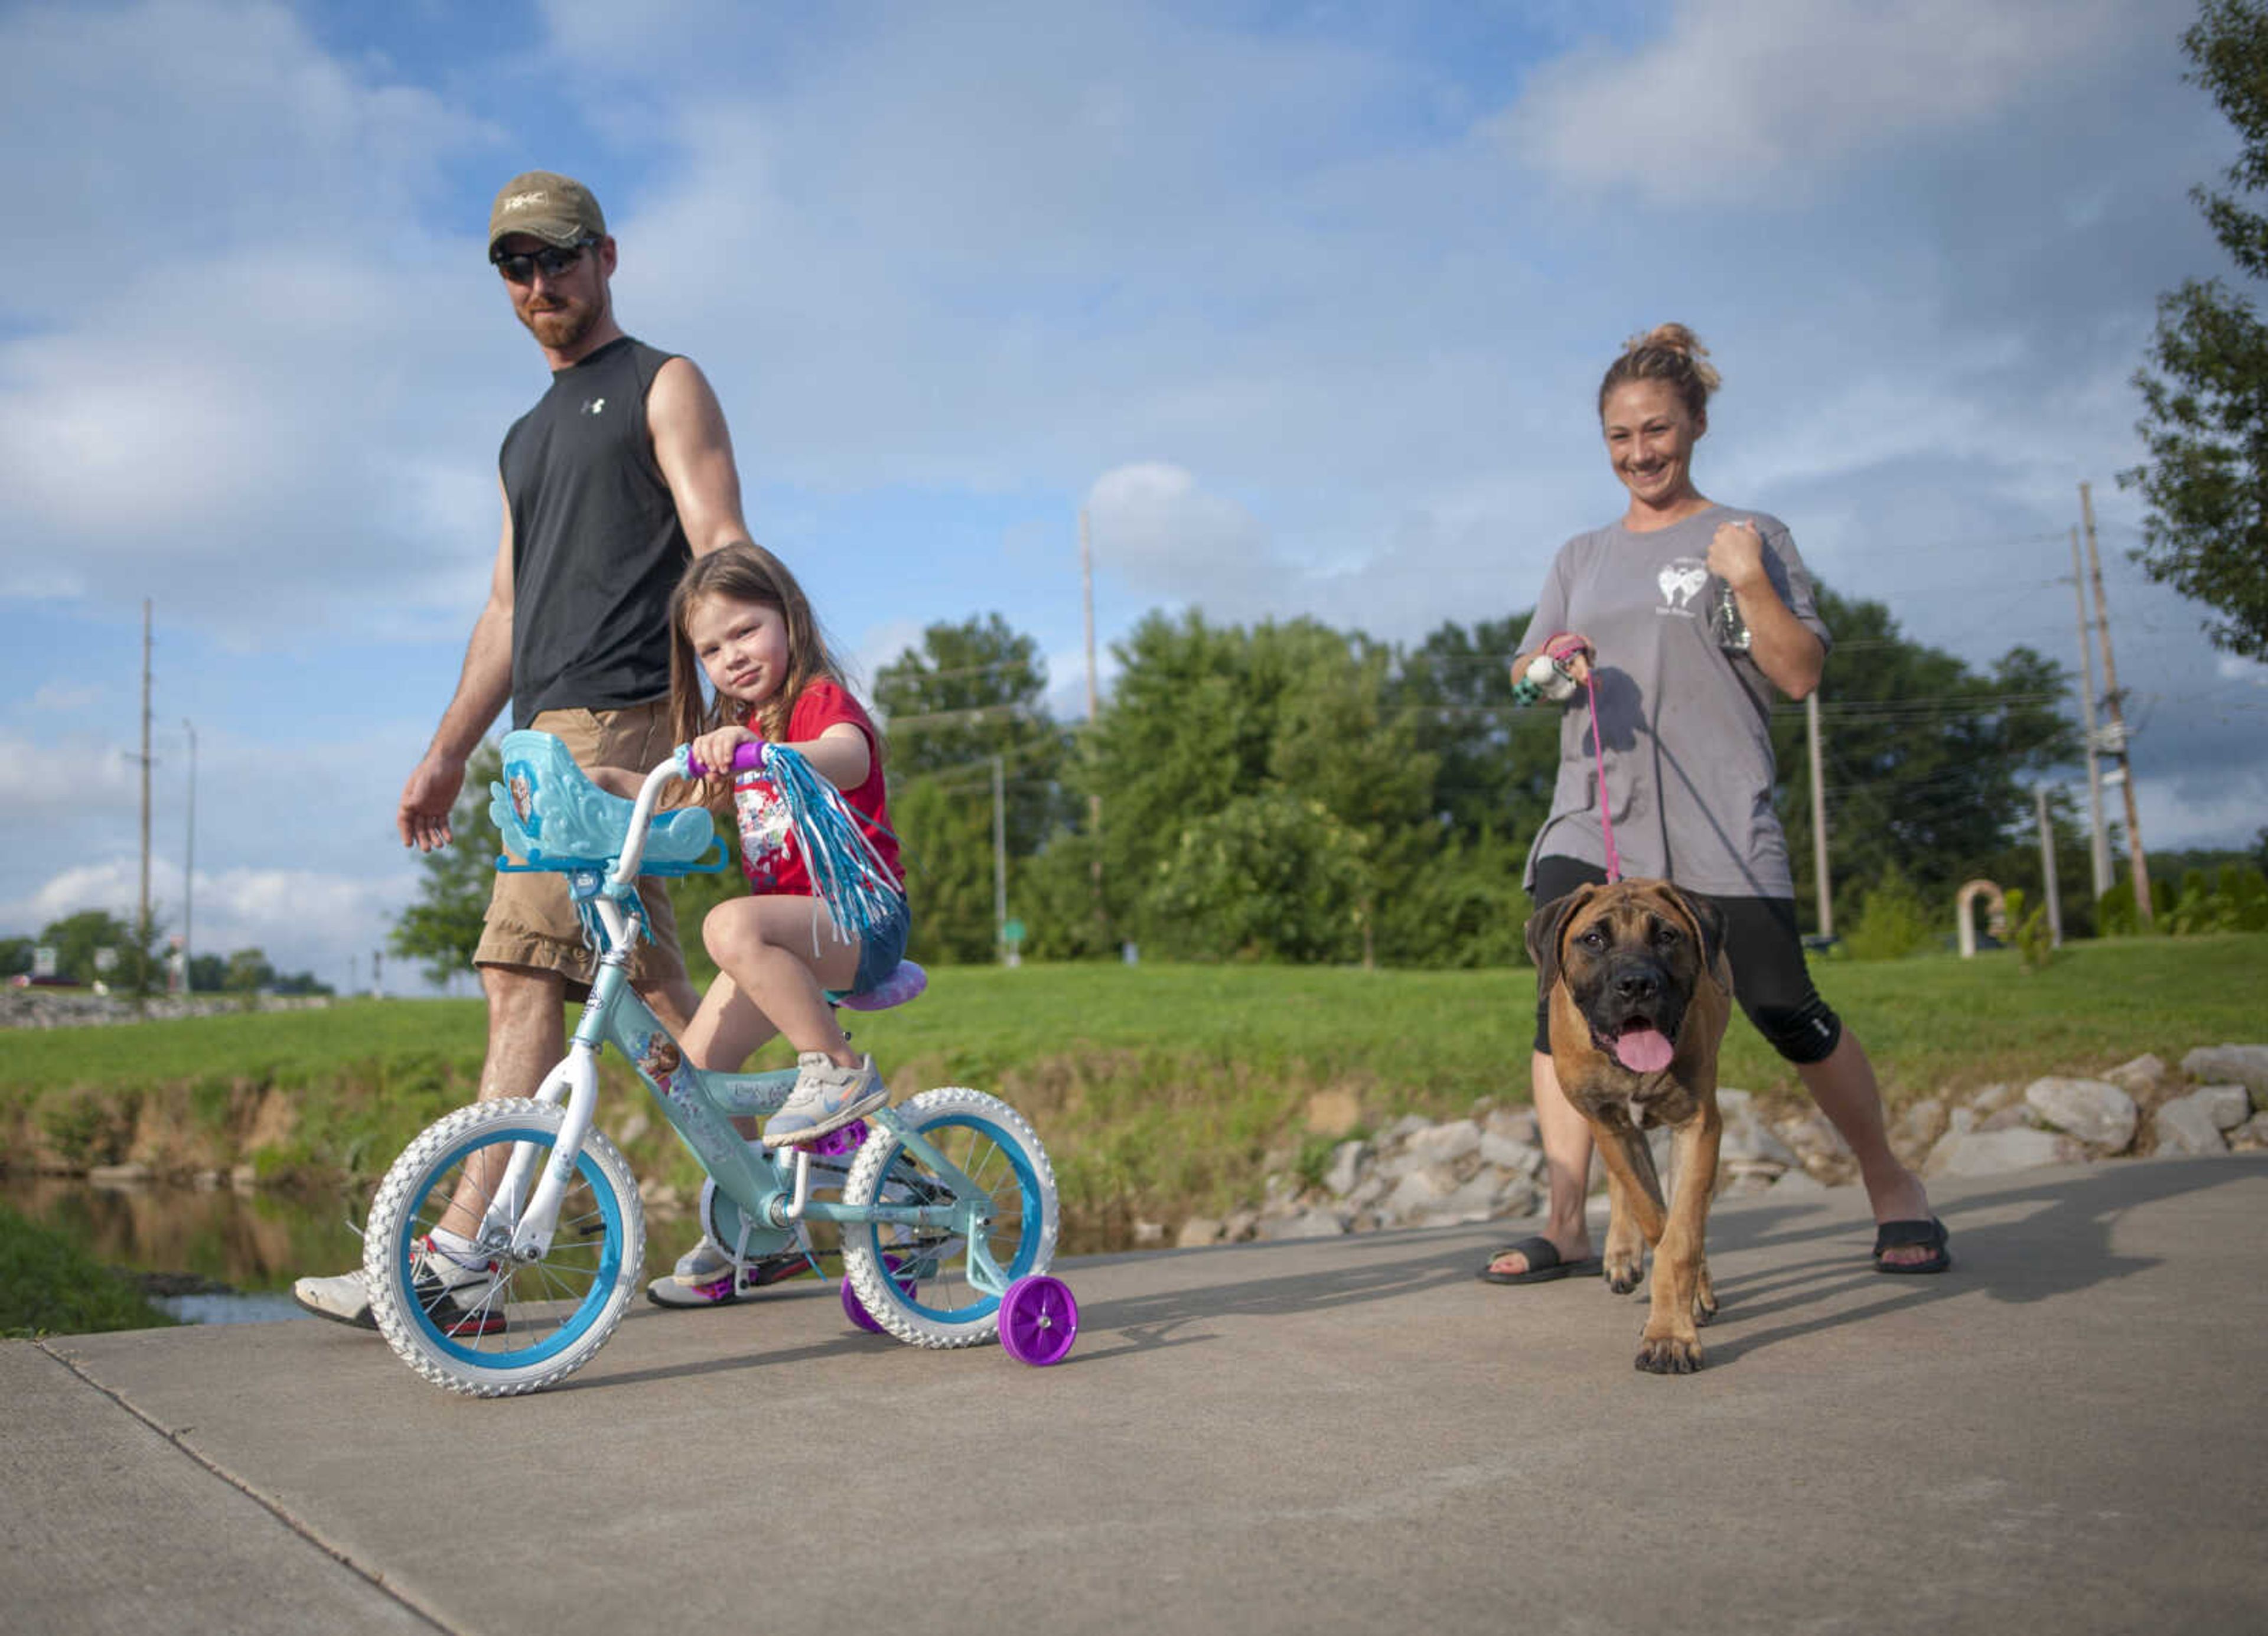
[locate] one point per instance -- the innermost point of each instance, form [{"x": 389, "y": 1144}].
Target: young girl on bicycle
[{"x": 739, "y": 618}]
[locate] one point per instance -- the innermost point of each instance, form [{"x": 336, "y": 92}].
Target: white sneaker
[
  {"x": 824, "y": 1098},
  {"x": 435, "y": 1279},
  {"x": 704, "y": 1275}
]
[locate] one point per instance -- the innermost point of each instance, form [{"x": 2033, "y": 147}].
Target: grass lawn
[{"x": 1157, "y": 1087}]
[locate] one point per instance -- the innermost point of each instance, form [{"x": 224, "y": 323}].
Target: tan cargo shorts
[{"x": 530, "y": 920}]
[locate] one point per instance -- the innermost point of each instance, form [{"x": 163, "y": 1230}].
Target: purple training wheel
[{"x": 1039, "y": 1321}]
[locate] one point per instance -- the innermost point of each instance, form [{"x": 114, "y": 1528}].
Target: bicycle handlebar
[{"x": 747, "y": 756}]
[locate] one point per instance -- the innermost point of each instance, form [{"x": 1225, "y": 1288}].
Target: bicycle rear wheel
[
  {"x": 526, "y": 1325},
  {"x": 914, "y": 1282}
]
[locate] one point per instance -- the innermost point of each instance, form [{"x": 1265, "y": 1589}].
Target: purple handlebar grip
[{"x": 747, "y": 756}]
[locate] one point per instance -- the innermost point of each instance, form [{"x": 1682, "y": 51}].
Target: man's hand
[{"x": 433, "y": 790}]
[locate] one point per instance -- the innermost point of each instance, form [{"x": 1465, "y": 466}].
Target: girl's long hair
[{"x": 744, "y": 572}]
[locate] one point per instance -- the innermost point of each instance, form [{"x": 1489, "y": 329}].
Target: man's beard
[{"x": 561, "y": 328}]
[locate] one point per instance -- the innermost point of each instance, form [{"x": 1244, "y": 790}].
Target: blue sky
[{"x": 1304, "y": 303}]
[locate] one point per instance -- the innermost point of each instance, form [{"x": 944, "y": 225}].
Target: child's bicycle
[{"x": 945, "y": 1204}]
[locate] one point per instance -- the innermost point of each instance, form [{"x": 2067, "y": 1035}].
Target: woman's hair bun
[{"x": 1668, "y": 352}]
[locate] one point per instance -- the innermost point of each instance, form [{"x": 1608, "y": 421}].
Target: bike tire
[
  {"x": 556, "y": 1312},
  {"x": 925, "y": 1299}
]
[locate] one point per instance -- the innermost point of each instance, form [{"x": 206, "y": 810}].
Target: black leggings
[{"x": 1769, "y": 977}]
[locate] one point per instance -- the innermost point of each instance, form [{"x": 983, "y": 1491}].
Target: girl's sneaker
[
  {"x": 704, "y": 1277},
  {"x": 824, "y": 1098}
]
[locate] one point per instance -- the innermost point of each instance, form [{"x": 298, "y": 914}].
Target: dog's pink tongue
[{"x": 1643, "y": 1050}]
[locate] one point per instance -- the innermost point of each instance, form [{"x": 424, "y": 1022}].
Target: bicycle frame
[{"x": 771, "y": 1188}]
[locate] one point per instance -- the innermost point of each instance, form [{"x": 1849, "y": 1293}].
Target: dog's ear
[
  {"x": 1708, "y": 925},
  {"x": 1544, "y": 927}
]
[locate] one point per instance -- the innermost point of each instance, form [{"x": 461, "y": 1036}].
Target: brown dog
[{"x": 1640, "y": 994}]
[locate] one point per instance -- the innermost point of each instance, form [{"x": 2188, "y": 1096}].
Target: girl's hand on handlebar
[{"x": 714, "y": 751}]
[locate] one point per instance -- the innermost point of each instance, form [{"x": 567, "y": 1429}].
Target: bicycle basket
[{"x": 552, "y": 816}]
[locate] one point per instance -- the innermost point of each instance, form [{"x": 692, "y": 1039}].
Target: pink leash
[{"x": 1558, "y": 648}]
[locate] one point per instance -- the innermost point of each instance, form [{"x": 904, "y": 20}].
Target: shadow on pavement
[{"x": 2062, "y": 1247}]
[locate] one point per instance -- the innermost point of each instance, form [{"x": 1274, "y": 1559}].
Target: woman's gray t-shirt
[{"x": 1689, "y": 758}]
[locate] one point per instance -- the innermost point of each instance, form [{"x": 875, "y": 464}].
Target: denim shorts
[{"x": 883, "y": 948}]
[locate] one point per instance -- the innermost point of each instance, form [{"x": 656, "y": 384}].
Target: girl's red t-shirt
[{"x": 769, "y": 855}]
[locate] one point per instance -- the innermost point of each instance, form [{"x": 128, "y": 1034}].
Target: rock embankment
[
  {"x": 1418, "y": 1172},
  {"x": 45, "y": 1009}
]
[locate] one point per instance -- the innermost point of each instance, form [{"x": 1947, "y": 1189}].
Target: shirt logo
[
  {"x": 1681, "y": 582},
  {"x": 594, "y": 405}
]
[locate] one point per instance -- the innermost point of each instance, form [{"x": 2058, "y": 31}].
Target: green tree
[
  {"x": 442, "y": 927},
  {"x": 248, "y": 972},
  {"x": 15, "y": 956},
  {"x": 1204, "y": 717},
  {"x": 2205, "y": 388},
  {"x": 74, "y": 938},
  {"x": 1497, "y": 761},
  {"x": 968, "y": 693},
  {"x": 1929, "y": 764},
  {"x": 1271, "y": 876}
]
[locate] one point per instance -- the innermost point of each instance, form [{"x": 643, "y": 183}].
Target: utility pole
[
  {"x": 1093, "y": 704},
  {"x": 1818, "y": 817},
  {"x": 2101, "y": 854},
  {"x": 2115, "y": 734},
  {"x": 142, "y": 923},
  {"x": 999, "y": 862},
  {"x": 189, "y": 867},
  {"x": 2048, "y": 866}
]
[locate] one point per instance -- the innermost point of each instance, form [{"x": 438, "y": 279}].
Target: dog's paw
[
  {"x": 1669, "y": 1355},
  {"x": 1625, "y": 1270},
  {"x": 1704, "y": 1298}
]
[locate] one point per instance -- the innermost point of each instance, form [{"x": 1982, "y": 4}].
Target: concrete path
[{"x": 2069, "y": 1433}]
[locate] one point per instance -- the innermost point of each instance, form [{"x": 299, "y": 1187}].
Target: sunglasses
[{"x": 519, "y": 269}]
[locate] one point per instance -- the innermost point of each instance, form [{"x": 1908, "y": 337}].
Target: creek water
[{"x": 221, "y": 1255}]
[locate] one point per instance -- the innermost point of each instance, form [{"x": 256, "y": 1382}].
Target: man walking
[{"x": 619, "y": 476}]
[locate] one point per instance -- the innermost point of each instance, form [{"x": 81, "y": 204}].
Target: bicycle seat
[
  {"x": 905, "y": 981},
  {"x": 553, "y": 816}
]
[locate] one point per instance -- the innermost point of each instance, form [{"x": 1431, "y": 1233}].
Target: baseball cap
[{"x": 556, "y": 208}]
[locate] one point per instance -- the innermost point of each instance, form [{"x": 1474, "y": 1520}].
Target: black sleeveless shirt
[{"x": 596, "y": 546}]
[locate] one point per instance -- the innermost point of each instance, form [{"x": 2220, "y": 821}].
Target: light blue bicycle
[{"x": 945, "y": 1204}]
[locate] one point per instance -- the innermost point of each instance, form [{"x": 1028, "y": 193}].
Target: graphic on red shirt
[{"x": 770, "y": 856}]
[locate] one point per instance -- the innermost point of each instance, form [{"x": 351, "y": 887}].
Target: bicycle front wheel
[
  {"x": 914, "y": 1282},
  {"x": 522, "y": 1326}
]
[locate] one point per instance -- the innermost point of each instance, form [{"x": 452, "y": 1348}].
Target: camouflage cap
[{"x": 556, "y": 208}]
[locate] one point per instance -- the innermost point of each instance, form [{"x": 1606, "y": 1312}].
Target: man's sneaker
[
  {"x": 704, "y": 1275},
  {"x": 435, "y": 1280},
  {"x": 825, "y": 1097}
]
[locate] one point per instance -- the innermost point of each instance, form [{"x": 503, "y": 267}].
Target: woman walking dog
[{"x": 1685, "y": 616}]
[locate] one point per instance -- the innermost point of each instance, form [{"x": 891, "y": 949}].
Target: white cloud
[
  {"x": 78, "y": 774},
  {"x": 207, "y": 395},
  {"x": 1156, "y": 529},
  {"x": 303, "y": 919},
  {"x": 1745, "y": 98}
]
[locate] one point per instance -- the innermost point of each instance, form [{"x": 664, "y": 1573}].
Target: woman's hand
[
  {"x": 1553, "y": 671},
  {"x": 1573, "y": 652},
  {"x": 714, "y": 751},
  {"x": 1736, "y": 556}
]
